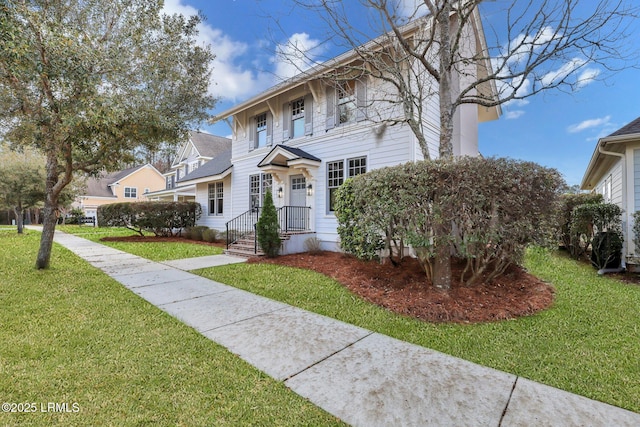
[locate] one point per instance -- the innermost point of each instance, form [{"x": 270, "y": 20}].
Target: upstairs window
[
  {"x": 346, "y": 103},
  {"x": 346, "y": 100},
  {"x": 297, "y": 118},
  {"x": 260, "y": 132}
]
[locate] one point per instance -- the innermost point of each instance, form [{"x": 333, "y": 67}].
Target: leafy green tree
[
  {"x": 21, "y": 182},
  {"x": 267, "y": 227},
  {"x": 86, "y": 82}
]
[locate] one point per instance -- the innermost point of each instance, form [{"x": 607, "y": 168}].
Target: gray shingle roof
[
  {"x": 213, "y": 167},
  {"x": 631, "y": 128},
  {"x": 209, "y": 145},
  {"x": 99, "y": 186}
]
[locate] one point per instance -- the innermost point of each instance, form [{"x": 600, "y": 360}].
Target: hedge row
[
  {"x": 493, "y": 208},
  {"x": 161, "y": 218}
]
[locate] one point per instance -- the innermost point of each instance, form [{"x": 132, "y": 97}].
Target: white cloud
[
  {"x": 587, "y": 76},
  {"x": 588, "y": 124},
  {"x": 525, "y": 45},
  {"x": 297, "y": 54},
  {"x": 411, "y": 8},
  {"x": 563, "y": 72},
  {"x": 229, "y": 80},
  {"x": 512, "y": 115}
]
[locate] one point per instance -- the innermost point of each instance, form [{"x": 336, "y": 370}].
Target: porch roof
[{"x": 282, "y": 155}]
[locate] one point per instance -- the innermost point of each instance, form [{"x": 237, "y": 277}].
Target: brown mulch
[{"x": 404, "y": 289}]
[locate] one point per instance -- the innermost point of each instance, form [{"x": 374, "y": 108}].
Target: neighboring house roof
[
  {"x": 609, "y": 150},
  {"x": 100, "y": 186},
  {"x": 217, "y": 166},
  {"x": 209, "y": 145},
  {"x": 205, "y": 144},
  {"x": 630, "y": 129}
]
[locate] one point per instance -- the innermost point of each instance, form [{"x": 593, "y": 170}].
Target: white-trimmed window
[
  {"x": 297, "y": 118},
  {"x": 340, "y": 170},
  {"x": 261, "y": 130},
  {"x": 258, "y": 185},
  {"x": 346, "y": 103},
  {"x": 130, "y": 193},
  {"x": 216, "y": 198}
]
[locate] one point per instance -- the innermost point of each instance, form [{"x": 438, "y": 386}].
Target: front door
[{"x": 298, "y": 202}]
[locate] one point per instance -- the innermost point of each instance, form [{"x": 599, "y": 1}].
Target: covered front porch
[{"x": 293, "y": 174}]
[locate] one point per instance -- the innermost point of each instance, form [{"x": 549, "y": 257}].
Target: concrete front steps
[{"x": 245, "y": 247}]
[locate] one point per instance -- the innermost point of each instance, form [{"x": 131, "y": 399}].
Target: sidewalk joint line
[
  {"x": 330, "y": 355},
  {"x": 243, "y": 320},
  {"x": 504, "y": 412}
]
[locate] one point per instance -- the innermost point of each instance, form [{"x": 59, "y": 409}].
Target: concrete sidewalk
[{"x": 362, "y": 377}]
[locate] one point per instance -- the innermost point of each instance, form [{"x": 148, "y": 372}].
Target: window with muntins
[
  {"x": 261, "y": 130},
  {"x": 258, "y": 185},
  {"x": 130, "y": 192},
  {"x": 216, "y": 198},
  {"x": 297, "y": 118},
  {"x": 335, "y": 178},
  {"x": 346, "y": 101},
  {"x": 336, "y": 175}
]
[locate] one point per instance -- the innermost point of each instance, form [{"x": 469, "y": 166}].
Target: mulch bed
[{"x": 404, "y": 289}]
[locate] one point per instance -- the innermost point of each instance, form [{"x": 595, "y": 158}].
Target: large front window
[
  {"x": 258, "y": 186},
  {"x": 216, "y": 198},
  {"x": 335, "y": 178},
  {"x": 336, "y": 175}
]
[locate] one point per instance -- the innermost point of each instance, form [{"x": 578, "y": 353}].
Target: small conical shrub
[{"x": 267, "y": 227}]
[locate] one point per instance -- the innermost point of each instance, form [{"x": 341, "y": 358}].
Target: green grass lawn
[
  {"x": 588, "y": 342},
  {"x": 73, "y": 335},
  {"x": 155, "y": 251}
]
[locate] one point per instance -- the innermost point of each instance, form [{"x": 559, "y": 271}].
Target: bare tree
[{"x": 438, "y": 47}]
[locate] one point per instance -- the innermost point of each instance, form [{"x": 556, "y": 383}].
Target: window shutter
[
  {"x": 308, "y": 114},
  {"x": 286, "y": 121},
  {"x": 361, "y": 100},
  {"x": 269, "y": 129},
  {"x": 252, "y": 133},
  {"x": 331, "y": 107}
]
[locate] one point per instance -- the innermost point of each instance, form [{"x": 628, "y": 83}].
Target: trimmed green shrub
[
  {"x": 567, "y": 203},
  {"x": 161, "y": 218},
  {"x": 197, "y": 232},
  {"x": 267, "y": 227},
  {"x": 636, "y": 230},
  {"x": 210, "y": 235},
  {"x": 495, "y": 207},
  {"x": 598, "y": 225}
]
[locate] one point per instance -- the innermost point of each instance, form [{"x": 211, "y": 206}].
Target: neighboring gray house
[
  {"x": 614, "y": 172},
  {"x": 199, "y": 149}
]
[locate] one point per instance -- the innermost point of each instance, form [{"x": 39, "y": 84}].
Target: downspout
[{"x": 623, "y": 157}]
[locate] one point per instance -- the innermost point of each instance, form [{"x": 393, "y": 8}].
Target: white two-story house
[{"x": 304, "y": 137}]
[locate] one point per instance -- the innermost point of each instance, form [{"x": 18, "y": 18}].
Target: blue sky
[{"x": 553, "y": 128}]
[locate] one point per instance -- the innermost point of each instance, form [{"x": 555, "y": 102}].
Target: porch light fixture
[
  {"x": 280, "y": 193},
  {"x": 309, "y": 190}
]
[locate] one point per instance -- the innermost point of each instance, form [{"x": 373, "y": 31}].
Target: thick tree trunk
[
  {"x": 53, "y": 188},
  {"x": 442, "y": 231},
  {"x": 49, "y": 220}
]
